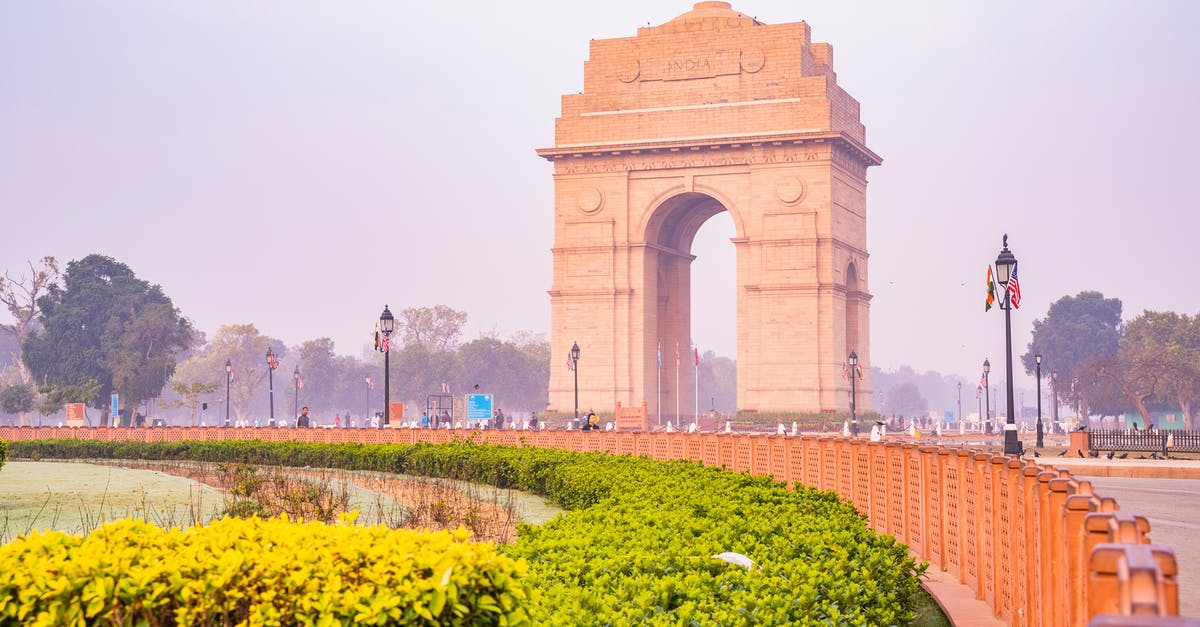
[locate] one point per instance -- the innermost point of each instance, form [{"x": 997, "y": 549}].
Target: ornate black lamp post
[
  {"x": 271, "y": 366},
  {"x": 387, "y": 324},
  {"x": 1006, "y": 262},
  {"x": 854, "y": 394},
  {"x": 987, "y": 395},
  {"x": 228, "y": 380},
  {"x": 1037, "y": 359},
  {"x": 575, "y": 369},
  {"x": 296, "y": 391}
]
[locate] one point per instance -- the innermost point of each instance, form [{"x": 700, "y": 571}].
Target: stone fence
[{"x": 1038, "y": 545}]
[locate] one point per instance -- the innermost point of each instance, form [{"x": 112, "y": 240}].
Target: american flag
[
  {"x": 1014, "y": 289},
  {"x": 570, "y": 362},
  {"x": 370, "y": 384},
  {"x": 983, "y": 380},
  {"x": 445, "y": 388},
  {"x": 385, "y": 343},
  {"x": 299, "y": 383},
  {"x": 845, "y": 377}
]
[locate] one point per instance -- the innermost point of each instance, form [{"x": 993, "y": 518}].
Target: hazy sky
[{"x": 298, "y": 165}]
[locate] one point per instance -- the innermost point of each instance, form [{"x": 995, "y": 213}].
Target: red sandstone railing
[{"x": 1039, "y": 546}]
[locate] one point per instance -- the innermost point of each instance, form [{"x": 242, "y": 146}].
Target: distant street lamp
[
  {"x": 853, "y": 393},
  {"x": 979, "y": 398},
  {"x": 960, "y": 400},
  {"x": 1053, "y": 400},
  {"x": 987, "y": 394},
  {"x": 228, "y": 380},
  {"x": 272, "y": 364},
  {"x": 296, "y": 392},
  {"x": 1006, "y": 266},
  {"x": 1037, "y": 359},
  {"x": 387, "y": 324},
  {"x": 575, "y": 369}
]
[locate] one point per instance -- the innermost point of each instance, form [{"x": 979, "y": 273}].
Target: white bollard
[
  {"x": 795, "y": 429},
  {"x": 728, "y": 426}
]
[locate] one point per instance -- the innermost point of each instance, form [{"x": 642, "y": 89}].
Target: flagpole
[
  {"x": 696, "y": 398},
  {"x": 658, "y": 392},
  {"x": 678, "y": 392}
]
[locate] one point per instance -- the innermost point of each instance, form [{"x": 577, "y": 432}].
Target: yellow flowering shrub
[{"x": 259, "y": 572}]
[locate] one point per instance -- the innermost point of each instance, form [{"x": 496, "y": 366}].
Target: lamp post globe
[
  {"x": 1037, "y": 359},
  {"x": 387, "y": 324},
  {"x": 1006, "y": 263},
  {"x": 575, "y": 369},
  {"x": 854, "y": 393}
]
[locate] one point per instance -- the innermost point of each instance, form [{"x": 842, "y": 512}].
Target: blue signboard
[
  {"x": 114, "y": 404},
  {"x": 479, "y": 406}
]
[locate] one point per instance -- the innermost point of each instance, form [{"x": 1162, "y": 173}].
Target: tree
[
  {"x": 108, "y": 326},
  {"x": 17, "y": 399},
  {"x": 245, "y": 348},
  {"x": 435, "y": 328},
  {"x": 20, "y": 296},
  {"x": 319, "y": 371},
  {"x": 904, "y": 399},
  {"x": 1075, "y": 332},
  {"x": 519, "y": 380},
  {"x": 192, "y": 391},
  {"x": 718, "y": 383},
  {"x": 1163, "y": 349}
]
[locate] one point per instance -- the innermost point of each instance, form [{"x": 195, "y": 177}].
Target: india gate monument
[{"x": 712, "y": 111}]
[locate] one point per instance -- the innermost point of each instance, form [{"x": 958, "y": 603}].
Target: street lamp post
[
  {"x": 387, "y": 324},
  {"x": 1037, "y": 359},
  {"x": 228, "y": 380},
  {"x": 1053, "y": 400},
  {"x": 987, "y": 395},
  {"x": 960, "y": 400},
  {"x": 979, "y": 399},
  {"x": 1006, "y": 264},
  {"x": 271, "y": 366},
  {"x": 296, "y": 391},
  {"x": 854, "y": 393},
  {"x": 575, "y": 369}
]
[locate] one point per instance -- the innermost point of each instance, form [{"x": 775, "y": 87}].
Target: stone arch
[{"x": 643, "y": 158}]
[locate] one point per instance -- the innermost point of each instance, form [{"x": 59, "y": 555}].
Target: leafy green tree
[
  {"x": 17, "y": 399},
  {"x": 190, "y": 392},
  {"x": 324, "y": 384},
  {"x": 245, "y": 348},
  {"x": 519, "y": 378},
  {"x": 1076, "y": 331},
  {"x": 106, "y": 325},
  {"x": 1163, "y": 350}
]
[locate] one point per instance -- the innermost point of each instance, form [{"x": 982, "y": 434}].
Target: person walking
[{"x": 302, "y": 420}]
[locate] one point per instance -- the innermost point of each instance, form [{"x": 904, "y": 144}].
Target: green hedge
[
  {"x": 637, "y": 546},
  {"x": 3, "y": 452},
  {"x": 260, "y": 572}
]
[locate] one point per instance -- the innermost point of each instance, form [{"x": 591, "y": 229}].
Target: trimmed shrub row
[
  {"x": 638, "y": 545},
  {"x": 264, "y": 572}
]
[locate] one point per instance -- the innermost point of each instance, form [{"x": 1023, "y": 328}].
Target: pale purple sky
[{"x": 298, "y": 165}]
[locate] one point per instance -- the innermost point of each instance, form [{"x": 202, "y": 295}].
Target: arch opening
[{"x": 672, "y": 238}]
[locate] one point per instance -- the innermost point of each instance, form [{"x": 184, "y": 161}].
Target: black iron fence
[{"x": 1144, "y": 441}]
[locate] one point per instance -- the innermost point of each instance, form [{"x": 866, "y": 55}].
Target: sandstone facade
[{"x": 712, "y": 111}]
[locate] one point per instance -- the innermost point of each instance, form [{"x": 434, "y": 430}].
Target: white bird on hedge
[{"x": 736, "y": 558}]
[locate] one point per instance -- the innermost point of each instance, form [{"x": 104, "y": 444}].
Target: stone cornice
[{"x": 861, "y": 152}]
